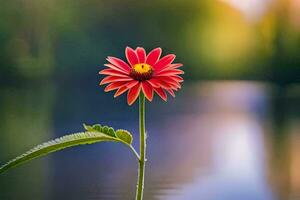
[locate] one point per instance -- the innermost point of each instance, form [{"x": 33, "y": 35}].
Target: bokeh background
[{"x": 232, "y": 132}]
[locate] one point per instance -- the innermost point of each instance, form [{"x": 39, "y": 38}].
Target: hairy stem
[{"x": 141, "y": 174}]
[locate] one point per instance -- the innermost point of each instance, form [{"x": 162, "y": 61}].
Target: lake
[{"x": 216, "y": 140}]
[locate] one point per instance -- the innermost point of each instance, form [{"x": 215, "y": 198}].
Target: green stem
[{"x": 141, "y": 175}]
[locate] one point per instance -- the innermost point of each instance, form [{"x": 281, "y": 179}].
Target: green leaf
[
  {"x": 91, "y": 136},
  {"x": 103, "y": 129},
  {"x": 97, "y": 127},
  {"x": 88, "y": 127},
  {"x": 111, "y": 132},
  {"x": 124, "y": 136}
]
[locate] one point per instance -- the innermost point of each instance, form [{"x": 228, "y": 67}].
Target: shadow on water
[{"x": 216, "y": 140}]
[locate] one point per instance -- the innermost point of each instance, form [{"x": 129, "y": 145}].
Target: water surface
[{"x": 216, "y": 140}]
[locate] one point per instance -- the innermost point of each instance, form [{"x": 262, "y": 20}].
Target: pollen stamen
[{"x": 141, "y": 71}]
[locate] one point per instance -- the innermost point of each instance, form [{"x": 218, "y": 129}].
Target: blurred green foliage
[{"x": 214, "y": 39}]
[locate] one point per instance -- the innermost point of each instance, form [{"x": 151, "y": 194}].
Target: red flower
[{"x": 143, "y": 72}]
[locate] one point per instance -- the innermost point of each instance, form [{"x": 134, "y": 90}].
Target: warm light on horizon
[{"x": 253, "y": 10}]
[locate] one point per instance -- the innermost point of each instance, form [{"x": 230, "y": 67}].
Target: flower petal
[
  {"x": 175, "y": 65},
  {"x": 119, "y": 63},
  {"x": 114, "y": 85},
  {"x": 166, "y": 85},
  {"x": 163, "y": 62},
  {"x": 176, "y": 78},
  {"x": 111, "y": 66},
  {"x": 170, "y": 72},
  {"x": 153, "y": 56},
  {"x": 120, "y": 91},
  {"x": 110, "y": 79},
  {"x": 173, "y": 86},
  {"x": 132, "y": 83},
  {"x": 131, "y": 56},
  {"x": 147, "y": 90},
  {"x": 169, "y": 80},
  {"x": 141, "y": 53},
  {"x": 154, "y": 82},
  {"x": 112, "y": 72},
  {"x": 171, "y": 66},
  {"x": 161, "y": 93},
  {"x": 133, "y": 94},
  {"x": 171, "y": 92},
  {"x": 162, "y": 83}
]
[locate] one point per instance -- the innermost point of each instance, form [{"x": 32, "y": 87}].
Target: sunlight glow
[{"x": 252, "y": 9}]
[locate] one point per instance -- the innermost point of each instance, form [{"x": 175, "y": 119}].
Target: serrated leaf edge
[{"x": 58, "y": 144}]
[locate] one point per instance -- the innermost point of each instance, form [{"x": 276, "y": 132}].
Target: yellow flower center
[
  {"x": 141, "y": 71},
  {"x": 142, "y": 68}
]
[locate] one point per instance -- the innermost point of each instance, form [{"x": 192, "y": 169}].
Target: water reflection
[
  {"x": 216, "y": 140},
  {"x": 25, "y": 120},
  {"x": 230, "y": 125},
  {"x": 295, "y": 160}
]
